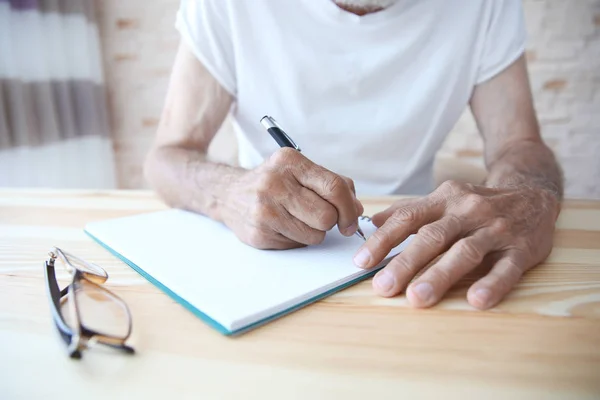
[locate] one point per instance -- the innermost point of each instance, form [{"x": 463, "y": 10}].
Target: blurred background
[{"x": 83, "y": 83}]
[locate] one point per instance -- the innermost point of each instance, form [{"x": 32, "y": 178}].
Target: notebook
[{"x": 231, "y": 286}]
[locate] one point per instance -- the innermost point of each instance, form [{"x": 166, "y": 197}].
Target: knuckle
[
  {"x": 450, "y": 186},
  {"x": 406, "y": 215},
  {"x": 327, "y": 218},
  {"x": 500, "y": 226},
  {"x": 335, "y": 185},
  {"x": 257, "y": 238},
  {"x": 441, "y": 276},
  {"x": 350, "y": 183},
  {"x": 475, "y": 203},
  {"x": 404, "y": 265},
  {"x": 516, "y": 259},
  {"x": 283, "y": 156},
  {"x": 514, "y": 271},
  {"x": 469, "y": 187},
  {"x": 432, "y": 235},
  {"x": 382, "y": 239},
  {"x": 454, "y": 222},
  {"x": 469, "y": 252}
]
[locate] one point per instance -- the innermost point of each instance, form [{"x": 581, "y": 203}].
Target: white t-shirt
[{"x": 370, "y": 97}]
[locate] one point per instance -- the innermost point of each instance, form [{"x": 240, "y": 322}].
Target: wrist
[
  {"x": 221, "y": 192},
  {"x": 530, "y": 167},
  {"x": 544, "y": 194}
]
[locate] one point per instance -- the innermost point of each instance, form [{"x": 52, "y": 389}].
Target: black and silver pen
[{"x": 283, "y": 140}]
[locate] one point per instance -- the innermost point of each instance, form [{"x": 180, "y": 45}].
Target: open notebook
[{"x": 232, "y": 286}]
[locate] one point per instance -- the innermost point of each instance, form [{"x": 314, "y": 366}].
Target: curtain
[{"x": 54, "y": 129}]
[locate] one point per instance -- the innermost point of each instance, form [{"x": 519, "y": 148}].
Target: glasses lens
[
  {"x": 101, "y": 311},
  {"x": 88, "y": 268},
  {"x": 67, "y": 313}
]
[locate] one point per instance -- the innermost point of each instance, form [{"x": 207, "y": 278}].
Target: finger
[
  {"x": 280, "y": 242},
  {"x": 334, "y": 189},
  {"x": 267, "y": 239},
  {"x": 431, "y": 241},
  {"x": 296, "y": 230},
  {"x": 350, "y": 183},
  {"x": 311, "y": 209},
  {"x": 464, "y": 256},
  {"x": 493, "y": 287},
  {"x": 359, "y": 207},
  {"x": 382, "y": 216},
  {"x": 404, "y": 221}
]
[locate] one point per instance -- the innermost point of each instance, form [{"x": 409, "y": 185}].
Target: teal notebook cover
[{"x": 144, "y": 242}]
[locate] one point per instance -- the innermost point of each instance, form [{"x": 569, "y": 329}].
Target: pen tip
[{"x": 361, "y": 234}]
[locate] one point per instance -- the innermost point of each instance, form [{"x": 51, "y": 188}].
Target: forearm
[
  {"x": 195, "y": 108},
  {"x": 185, "y": 179}
]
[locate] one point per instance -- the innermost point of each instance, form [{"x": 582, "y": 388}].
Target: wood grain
[{"x": 543, "y": 341}]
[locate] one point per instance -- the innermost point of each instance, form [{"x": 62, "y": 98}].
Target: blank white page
[{"x": 203, "y": 262}]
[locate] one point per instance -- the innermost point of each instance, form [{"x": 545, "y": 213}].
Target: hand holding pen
[
  {"x": 283, "y": 140},
  {"x": 287, "y": 201}
]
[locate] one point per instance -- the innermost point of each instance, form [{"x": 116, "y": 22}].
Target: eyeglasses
[{"x": 85, "y": 312}]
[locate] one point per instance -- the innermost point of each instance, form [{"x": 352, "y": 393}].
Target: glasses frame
[{"x": 78, "y": 337}]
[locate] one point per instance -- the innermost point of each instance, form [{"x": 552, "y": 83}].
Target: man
[{"x": 368, "y": 89}]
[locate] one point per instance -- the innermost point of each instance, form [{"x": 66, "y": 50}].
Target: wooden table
[{"x": 543, "y": 341}]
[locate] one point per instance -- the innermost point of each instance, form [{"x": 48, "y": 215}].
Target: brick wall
[
  {"x": 563, "y": 54},
  {"x": 139, "y": 43}
]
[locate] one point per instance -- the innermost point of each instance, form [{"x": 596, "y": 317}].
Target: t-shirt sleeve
[
  {"x": 205, "y": 26},
  {"x": 505, "y": 38}
]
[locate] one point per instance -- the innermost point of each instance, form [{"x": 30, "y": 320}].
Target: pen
[{"x": 283, "y": 140}]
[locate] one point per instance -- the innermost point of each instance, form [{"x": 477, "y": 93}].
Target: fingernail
[
  {"x": 384, "y": 281},
  {"x": 351, "y": 229},
  {"x": 423, "y": 291},
  {"x": 362, "y": 258},
  {"x": 483, "y": 296}
]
